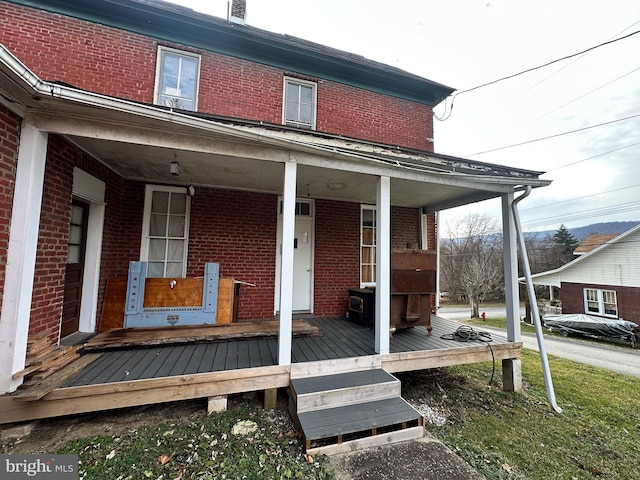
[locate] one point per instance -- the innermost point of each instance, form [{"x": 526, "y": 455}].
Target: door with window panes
[
  {"x": 166, "y": 228},
  {"x": 76, "y": 246}
]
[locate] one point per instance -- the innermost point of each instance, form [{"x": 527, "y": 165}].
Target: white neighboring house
[{"x": 604, "y": 282}]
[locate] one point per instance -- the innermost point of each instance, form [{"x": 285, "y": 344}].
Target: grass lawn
[{"x": 518, "y": 436}]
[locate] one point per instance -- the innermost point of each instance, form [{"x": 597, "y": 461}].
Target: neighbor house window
[
  {"x": 165, "y": 231},
  {"x": 177, "y": 79},
  {"x": 600, "y": 302},
  {"x": 299, "y": 103},
  {"x": 368, "y": 246}
]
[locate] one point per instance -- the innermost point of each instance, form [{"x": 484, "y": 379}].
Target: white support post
[
  {"x": 383, "y": 265},
  {"x": 21, "y": 254},
  {"x": 511, "y": 367},
  {"x": 286, "y": 270},
  {"x": 510, "y": 256}
]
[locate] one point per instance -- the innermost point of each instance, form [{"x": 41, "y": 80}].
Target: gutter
[{"x": 548, "y": 381}]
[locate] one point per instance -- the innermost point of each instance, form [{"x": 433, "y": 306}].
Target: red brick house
[
  {"x": 603, "y": 282},
  {"x": 140, "y": 130}
]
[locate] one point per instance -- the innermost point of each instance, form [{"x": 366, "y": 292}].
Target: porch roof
[{"x": 139, "y": 141}]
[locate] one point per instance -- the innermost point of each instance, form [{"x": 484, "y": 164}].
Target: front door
[
  {"x": 75, "y": 268},
  {"x": 302, "y": 258}
]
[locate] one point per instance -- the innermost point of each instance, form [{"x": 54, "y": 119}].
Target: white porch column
[
  {"x": 510, "y": 255},
  {"x": 286, "y": 271},
  {"x": 21, "y": 254},
  {"x": 511, "y": 368},
  {"x": 383, "y": 265}
]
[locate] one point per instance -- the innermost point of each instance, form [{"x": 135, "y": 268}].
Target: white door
[{"x": 302, "y": 258}]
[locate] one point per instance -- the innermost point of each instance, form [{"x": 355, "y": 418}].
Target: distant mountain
[{"x": 599, "y": 228}]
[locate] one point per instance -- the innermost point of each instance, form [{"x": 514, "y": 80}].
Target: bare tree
[{"x": 471, "y": 259}]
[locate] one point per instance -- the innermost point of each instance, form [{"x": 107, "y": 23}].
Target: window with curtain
[
  {"x": 600, "y": 302},
  {"x": 166, "y": 227},
  {"x": 177, "y": 79},
  {"x": 368, "y": 246}
]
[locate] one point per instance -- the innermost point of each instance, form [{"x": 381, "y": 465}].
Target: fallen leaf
[
  {"x": 163, "y": 459},
  {"x": 308, "y": 458},
  {"x": 508, "y": 468}
]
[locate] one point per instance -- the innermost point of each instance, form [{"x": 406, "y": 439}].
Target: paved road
[{"x": 614, "y": 358}]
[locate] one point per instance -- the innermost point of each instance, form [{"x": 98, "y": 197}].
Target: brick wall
[
  {"x": 9, "y": 138},
  {"x": 51, "y": 255},
  {"x": 572, "y": 297},
  {"x": 238, "y": 230},
  {"x": 122, "y": 64},
  {"x": 337, "y": 255}
]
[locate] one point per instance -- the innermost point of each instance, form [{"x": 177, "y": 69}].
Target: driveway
[{"x": 611, "y": 357}]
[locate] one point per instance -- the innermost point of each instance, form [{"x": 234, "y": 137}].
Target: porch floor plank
[{"x": 341, "y": 338}]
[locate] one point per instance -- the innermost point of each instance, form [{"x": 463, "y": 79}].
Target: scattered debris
[{"x": 244, "y": 427}]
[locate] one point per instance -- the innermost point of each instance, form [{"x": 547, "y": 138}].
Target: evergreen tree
[{"x": 565, "y": 244}]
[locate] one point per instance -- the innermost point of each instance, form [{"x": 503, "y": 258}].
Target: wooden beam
[
  {"x": 94, "y": 398},
  {"x": 407, "y": 361},
  {"x": 36, "y": 392},
  {"x": 130, "y": 337}
]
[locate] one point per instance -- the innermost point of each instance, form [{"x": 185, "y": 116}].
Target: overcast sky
[{"x": 466, "y": 43}]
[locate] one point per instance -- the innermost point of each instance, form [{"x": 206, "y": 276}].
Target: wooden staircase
[{"x": 350, "y": 411}]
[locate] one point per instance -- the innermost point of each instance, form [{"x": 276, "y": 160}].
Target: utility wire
[
  {"x": 554, "y": 136},
  {"x": 591, "y": 158},
  {"x": 548, "y": 63},
  {"x": 578, "y": 198},
  {"x": 588, "y": 93},
  {"x": 446, "y": 116}
]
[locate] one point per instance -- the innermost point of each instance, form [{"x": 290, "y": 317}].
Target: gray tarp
[{"x": 587, "y": 325}]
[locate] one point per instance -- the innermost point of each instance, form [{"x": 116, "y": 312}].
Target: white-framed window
[
  {"x": 601, "y": 302},
  {"x": 165, "y": 231},
  {"x": 177, "y": 79},
  {"x": 299, "y": 103},
  {"x": 368, "y": 246}
]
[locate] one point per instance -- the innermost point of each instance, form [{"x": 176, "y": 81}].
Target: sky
[{"x": 467, "y": 43}]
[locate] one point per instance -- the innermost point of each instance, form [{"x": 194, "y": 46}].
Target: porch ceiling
[{"x": 151, "y": 164}]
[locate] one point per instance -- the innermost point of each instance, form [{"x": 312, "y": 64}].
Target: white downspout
[{"x": 551, "y": 396}]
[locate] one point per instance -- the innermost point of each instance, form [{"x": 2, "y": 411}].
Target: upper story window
[
  {"x": 177, "y": 77},
  {"x": 299, "y": 103},
  {"x": 601, "y": 302}
]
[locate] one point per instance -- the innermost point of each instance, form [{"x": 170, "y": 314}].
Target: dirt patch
[{"x": 50, "y": 434}]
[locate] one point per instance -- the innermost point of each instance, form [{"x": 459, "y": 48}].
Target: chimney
[{"x": 238, "y": 12}]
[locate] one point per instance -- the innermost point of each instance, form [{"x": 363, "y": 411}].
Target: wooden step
[
  {"x": 331, "y": 430},
  {"x": 330, "y": 391}
]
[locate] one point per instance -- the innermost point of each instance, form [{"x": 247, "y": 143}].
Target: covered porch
[{"x": 141, "y": 376}]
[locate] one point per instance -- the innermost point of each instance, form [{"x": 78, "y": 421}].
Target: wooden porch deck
[{"x": 140, "y": 376}]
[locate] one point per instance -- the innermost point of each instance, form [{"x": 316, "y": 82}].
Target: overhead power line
[
  {"x": 554, "y": 136},
  {"x": 528, "y": 70},
  {"x": 547, "y": 64}
]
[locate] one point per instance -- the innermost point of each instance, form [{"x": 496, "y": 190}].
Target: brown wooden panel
[
  {"x": 226, "y": 296},
  {"x": 113, "y": 305},
  {"x": 413, "y": 259},
  {"x": 412, "y": 281},
  {"x": 186, "y": 292}
]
